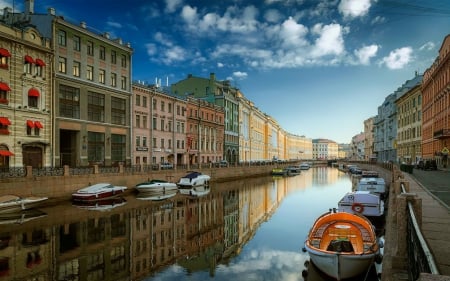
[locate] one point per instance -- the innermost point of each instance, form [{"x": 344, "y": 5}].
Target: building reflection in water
[{"x": 137, "y": 239}]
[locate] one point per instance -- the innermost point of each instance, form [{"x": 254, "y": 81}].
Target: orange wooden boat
[{"x": 342, "y": 245}]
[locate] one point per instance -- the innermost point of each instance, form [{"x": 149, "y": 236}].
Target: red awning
[
  {"x": 5, "y": 121},
  {"x": 30, "y": 123},
  {"x": 38, "y": 124},
  {"x": 40, "y": 62},
  {"x": 6, "y": 153},
  {"x": 4, "y": 87},
  {"x": 4, "y": 53},
  {"x": 33, "y": 92},
  {"x": 29, "y": 59}
]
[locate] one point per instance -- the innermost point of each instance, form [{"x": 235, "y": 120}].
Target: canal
[{"x": 251, "y": 229}]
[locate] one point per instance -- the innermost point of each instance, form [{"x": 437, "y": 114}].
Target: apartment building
[
  {"x": 26, "y": 136},
  {"x": 205, "y": 134},
  {"x": 436, "y": 107},
  {"x": 298, "y": 147},
  {"x": 91, "y": 94},
  {"x": 222, "y": 94},
  {"x": 159, "y": 126},
  {"x": 358, "y": 147},
  {"x": 368, "y": 136},
  {"x": 324, "y": 149},
  {"x": 409, "y": 122}
]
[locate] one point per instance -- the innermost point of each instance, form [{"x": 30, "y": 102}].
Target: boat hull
[
  {"x": 156, "y": 189},
  {"x": 96, "y": 196},
  {"x": 340, "y": 266},
  {"x": 21, "y": 204},
  {"x": 193, "y": 180}
]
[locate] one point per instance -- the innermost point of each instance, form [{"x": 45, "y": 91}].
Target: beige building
[
  {"x": 324, "y": 149},
  {"x": 91, "y": 94},
  {"x": 409, "y": 128},
  {"x": 25, "y": 97},
  {"x": 298, "y": 147},
  {"x": 368, "y": 143},
  {"x": 159, "y": 126}
]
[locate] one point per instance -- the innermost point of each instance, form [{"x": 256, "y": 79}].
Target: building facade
[
  {"x": 409, "y": 120},
  {"x": 368, "y": 143},
  {"x": 159, "y": 127},
  {"x": 26, "y": 136},
  {"x": 222, "y": 94},
  {"x": 358, "y": 147},
  {"x": 92, "y": 92},
  {"x": 436, "y": 107},
  {"x": 324, "y": 149}
]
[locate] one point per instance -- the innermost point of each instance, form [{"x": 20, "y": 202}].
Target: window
[
  {"x": 154, "y": 123},
  {"x": 124, "y": 83},
  {"x": 154, "y": 104},
  {"x": 138, "y": 100},
  {"x": 154, "y": 146},
  {"x": 69, "y": 101},
  {"x": 144, "y": 141},
  {"x": 90, "y": 48},
  {"x": 96, "y": 147},
  {"x": 144, "y": 101},
  {"x": 90, "y": 72},
  {"x": 113, "y": 57},
  {"x": 144, "y": 122},
  {"x": 162, "y": 124},
  {"x": 162, "y": 106},
  {"x": 96, "y": 107},
  {"x": 62, "y": 65},
  {"x": 76, "y": 68},
  {"x": 76, "y": 43},
  {"x": 118, "y": 111},
  {"x": 118, "y": 148},
  {"x": 33, "y": 101},
  {"x": 101, "y": 76},
  {"x": 138, "y": 121},
  {"x": 162, "y": 143},
  {"x": 62, "y": 38},
  {"x": 102, "y": 52},
  {"x": 138, "y": 141},
  {"x": 170, "y": 107},
  {"x": 123, "y": 60},
  {"x": 113, "y": 80}
]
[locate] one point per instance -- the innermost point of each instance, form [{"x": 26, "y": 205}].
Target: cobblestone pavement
[{"x": 436, "y": 182}]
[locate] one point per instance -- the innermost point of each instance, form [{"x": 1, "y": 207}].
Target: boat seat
[{"x": 340, "y": 245}]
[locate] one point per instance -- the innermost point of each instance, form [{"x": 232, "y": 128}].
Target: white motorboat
[
  {"x": 157, "y": 196},
  {"x": 372, "y": 184},
  {"x": 156, "y": 186},
  {"x": 193, "y": 179},
  {"x": 342, "y": 245},
  {"x": 304, "y": 166},
  {"x": 362, "y": 202},
  {"x": 99, "y": 191},
  {"x": 13, "y": 203}
]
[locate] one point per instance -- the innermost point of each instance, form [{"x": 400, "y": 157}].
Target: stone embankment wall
[{"x": 59, "y": 188}]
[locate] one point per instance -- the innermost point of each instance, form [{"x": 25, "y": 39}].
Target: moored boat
[
  {"x": 156, "y": 186},
  {"x": 157, "y": 196},
  {"x": 193, "y": 179},
  {"x": 101, "y": 205},
  {"x": 293, "y": 170},
  {"x": 99, "y": 191},
  {"x": 374, "y": 185},
  {"x": 362, "y": 202},
  {"x": 279, "y": 172},
  {"x": 342, "y": 245},
  {"x": 304, "y": 166},
  {"x": 13, "y": 203}
]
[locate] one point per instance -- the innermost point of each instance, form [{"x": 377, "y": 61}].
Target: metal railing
[{"x": 420, "y": 258}]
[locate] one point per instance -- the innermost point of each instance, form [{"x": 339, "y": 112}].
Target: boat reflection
[{"x": 141, "y": 238}]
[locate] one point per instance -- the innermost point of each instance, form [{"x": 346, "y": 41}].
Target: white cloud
[
  {"x": 398, "y": 58},
  {"x": 354, "y": 8},
  {"x": 114, "y": 24},
  {"x": 272, "y": 15},
  {"x": 330, "y": 41},
  {"x": 220, "y": 65},
  {"x": 173, "y": 5},
  {"x": 189, "y": 14},
  {"x": 240, "y": 74},
  {"x": 427, "y": 46},
  {"x": 293, "y": 34},
  {"x": 366, "y": 53}
]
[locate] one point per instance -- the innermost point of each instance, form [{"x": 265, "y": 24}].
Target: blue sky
[{"x": 318, "y": 67}]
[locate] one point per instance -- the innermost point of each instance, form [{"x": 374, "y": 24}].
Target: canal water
[{"x": 251, "y": 229}]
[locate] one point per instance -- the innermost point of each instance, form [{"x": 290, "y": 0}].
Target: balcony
[{"x": 443, "y": 133}]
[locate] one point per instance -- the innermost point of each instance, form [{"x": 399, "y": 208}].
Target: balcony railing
[{"x": 443, "y": 133}]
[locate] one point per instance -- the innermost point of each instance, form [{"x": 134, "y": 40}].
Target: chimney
[
  {"x": 83, "y": 24},
  {"x": 29, "y": 7},
  {"x": 51, "y": 11},
  {"x": 212, "y": 76},
  {"x": 106, "y": 35}
]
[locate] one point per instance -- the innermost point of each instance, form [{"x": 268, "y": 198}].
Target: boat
[
  {"x": 279, "y": 172},
  {"x": 98, "y": 191},
  {"x": 342, "y": 245},
  {"x": 362, "y": 202},
  {"x": 21, "y": 217},
  {"x": 193, "y": 179},
  {"x": 13, "y": 203},
  {"x": 372, "y": 184},
  {"x": 304, "y": 166},
  {"x": 156, "y": 186},
  {"x": 157, "y": 196},
  {"x": 196, "y": 191},
  {"x": 100, "y": 205},
  {"x": 293, "y": 170}
]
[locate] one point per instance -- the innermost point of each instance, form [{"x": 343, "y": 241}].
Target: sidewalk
[{"x": 433, "y": 187}]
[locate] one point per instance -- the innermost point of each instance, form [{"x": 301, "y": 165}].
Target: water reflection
[{"x": 251, "y": 229}]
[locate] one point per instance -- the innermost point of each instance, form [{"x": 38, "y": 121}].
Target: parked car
[
  {"x": 166, "y": 166},
  {"x": 222, "y": 163},
  {"x": 427, "y": 165}
]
